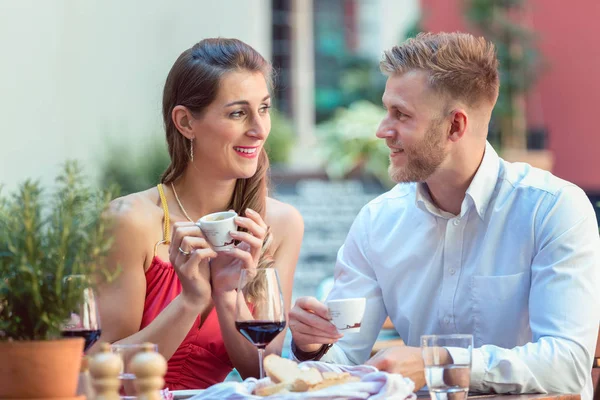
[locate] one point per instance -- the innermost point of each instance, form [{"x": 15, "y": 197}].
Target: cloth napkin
[{"x": 374, "y": 385}]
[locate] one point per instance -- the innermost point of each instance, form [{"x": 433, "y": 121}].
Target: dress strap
[{"x": 167, "y": 225}]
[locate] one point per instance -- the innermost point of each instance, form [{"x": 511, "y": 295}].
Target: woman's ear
[{"x": 182, "y": 118}]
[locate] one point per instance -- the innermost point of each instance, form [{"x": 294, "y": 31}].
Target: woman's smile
[{"x": 247, "y": 151}]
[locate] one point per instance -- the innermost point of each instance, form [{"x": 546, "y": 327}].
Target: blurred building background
[
  {"x": 563, "y": 102},
  {"x": 83, "y": 79},
  {"x": 80, "y": 76}
]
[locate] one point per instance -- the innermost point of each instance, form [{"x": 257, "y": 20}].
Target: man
[{"x": 467, "y": 242}]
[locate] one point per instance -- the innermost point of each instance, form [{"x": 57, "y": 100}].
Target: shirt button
[
  {"x": 456, "y": 222},
  {"x": 452, "y": 271}
]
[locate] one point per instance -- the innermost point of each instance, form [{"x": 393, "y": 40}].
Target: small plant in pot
[{"x": 45, "y": 237}]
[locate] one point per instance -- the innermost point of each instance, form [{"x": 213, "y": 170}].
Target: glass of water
[
  {"x": 447, "y": 365},
  {"x": 127, "y": 377}
]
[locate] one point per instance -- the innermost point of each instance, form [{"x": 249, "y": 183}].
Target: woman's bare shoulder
[
  {"x": 136, "y": 212},
  {"x": 278, "y": 210},
  {"x": 285, "y": 221}
]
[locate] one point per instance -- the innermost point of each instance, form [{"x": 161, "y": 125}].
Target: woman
[{"x": 216, "y": 112}]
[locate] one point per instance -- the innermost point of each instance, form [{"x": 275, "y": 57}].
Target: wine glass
[
  {"x": 260, "y": 313},
  {"x": 84, "y": 320}
]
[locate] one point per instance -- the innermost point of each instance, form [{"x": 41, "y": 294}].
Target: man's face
[{"x": 414, "y": 128}]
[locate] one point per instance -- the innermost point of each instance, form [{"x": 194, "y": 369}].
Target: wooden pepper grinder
[
  {"x": 149, "y": 368},
  {"x": 84, "y": 384},
  {"x": 105, "y": 368}
]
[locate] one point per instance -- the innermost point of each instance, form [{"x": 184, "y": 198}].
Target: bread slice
[
  {"x": 281, "y": 369},
  {"x": 334, "y": 382},
  {"x": 307, "y": 379},
  {"x": 277, "y": 388},
  {"x": 287, "y": 376}
]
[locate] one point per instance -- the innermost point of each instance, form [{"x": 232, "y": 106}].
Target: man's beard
[{"x": 423, "y": 159}]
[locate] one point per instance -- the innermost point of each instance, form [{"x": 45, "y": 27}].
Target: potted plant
[{"x": 44, "y": 237}]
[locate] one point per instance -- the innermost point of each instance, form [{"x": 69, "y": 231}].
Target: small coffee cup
[
  {"x": 216, "y": 228},
  {"x": 347, "y": 314}
]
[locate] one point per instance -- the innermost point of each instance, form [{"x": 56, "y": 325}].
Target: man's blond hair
[{"x": 458, "y": 64}]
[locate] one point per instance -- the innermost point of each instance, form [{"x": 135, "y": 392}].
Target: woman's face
[{"x": 233, "y": 129}]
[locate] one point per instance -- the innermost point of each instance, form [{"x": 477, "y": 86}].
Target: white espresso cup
[
  {"x": 347, "y": 314},
  {"x": 216, "y": 228}
]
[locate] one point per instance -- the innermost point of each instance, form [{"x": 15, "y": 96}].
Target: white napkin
[{"x": 373, "y": 385}]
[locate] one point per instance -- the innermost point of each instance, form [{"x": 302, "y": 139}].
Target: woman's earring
[{"x": 192, "y": 149}]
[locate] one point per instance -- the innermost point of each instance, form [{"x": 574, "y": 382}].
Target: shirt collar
[
  {"x": 425, "y": 202},
  {"x": 484, "y": 182},
  {"x": 479, "y": 192}
]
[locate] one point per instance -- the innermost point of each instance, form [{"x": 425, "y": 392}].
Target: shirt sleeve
[
  {"x": 563, "y": 307},
  {"x": 355, "y": 278}
]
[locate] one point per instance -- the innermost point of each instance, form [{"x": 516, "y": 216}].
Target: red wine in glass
[
  {"x": 259, "y": 311},
  {"x": 260, "y": 333},
  {"x": 90, "y": 336}
]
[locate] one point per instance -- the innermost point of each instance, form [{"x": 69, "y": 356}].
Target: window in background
[
  {"x": 282, "y": 55},
  {"x": 334, "y": 31},
  {"x": 345, "y": 69}
]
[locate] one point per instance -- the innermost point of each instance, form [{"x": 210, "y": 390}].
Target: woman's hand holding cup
[
  {"x": 189, "y": 253},
  {"x": 225, "y": 269}
]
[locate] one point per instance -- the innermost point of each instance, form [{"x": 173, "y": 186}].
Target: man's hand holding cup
[{"x": 314, "y": 324}]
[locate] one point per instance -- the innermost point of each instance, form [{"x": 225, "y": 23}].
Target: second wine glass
[
  {"x": 84, "y": 320},
  {"x": 260, "y": 311}
]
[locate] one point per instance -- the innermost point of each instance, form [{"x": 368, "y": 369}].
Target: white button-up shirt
[{"x": 519, "y": 268}]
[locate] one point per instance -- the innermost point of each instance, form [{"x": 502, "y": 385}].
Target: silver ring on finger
[{"x": 185, "y": 253}]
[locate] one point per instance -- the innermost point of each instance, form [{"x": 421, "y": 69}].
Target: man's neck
[
  {"x": 202, "y": 194},
  {"x": 448, "y": 186}
]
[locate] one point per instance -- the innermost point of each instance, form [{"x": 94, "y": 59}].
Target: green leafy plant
[
  {"x": 347, "y": 79},
  {"x": 350, "y": 145},
  {"x": 280, "y": 140},
  {"x": 43, "y": 238}
]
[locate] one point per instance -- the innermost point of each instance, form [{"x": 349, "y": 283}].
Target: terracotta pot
[{"x": 40, "y": 369}]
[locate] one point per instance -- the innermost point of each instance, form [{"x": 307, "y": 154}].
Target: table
[
  {"x": 422, "y": 395},
  {"x": 384, "y": 344}
]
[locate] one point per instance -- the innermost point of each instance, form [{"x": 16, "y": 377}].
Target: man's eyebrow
[
  {"x": 245, "y": 102},
  {"x": 396, "y": 104}
]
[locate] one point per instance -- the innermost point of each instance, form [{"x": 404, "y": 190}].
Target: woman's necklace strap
[{"x": 179, "y": 203}]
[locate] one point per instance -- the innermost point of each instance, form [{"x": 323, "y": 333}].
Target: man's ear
[
  {"x": 182, "y": 118},
  {"x": 458, "y": 124}
]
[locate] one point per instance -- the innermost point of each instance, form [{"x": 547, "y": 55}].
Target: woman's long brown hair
[{"x": 193, "y": 82}]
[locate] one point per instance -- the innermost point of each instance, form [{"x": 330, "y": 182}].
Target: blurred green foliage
[
  {"x": 356, "y": 78},
  {"x": 134, "y": 169},
  {"x": 349, "y": 120},
  {"x": 281, "y": 139},
  {"x": 349, "y": 144}
]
